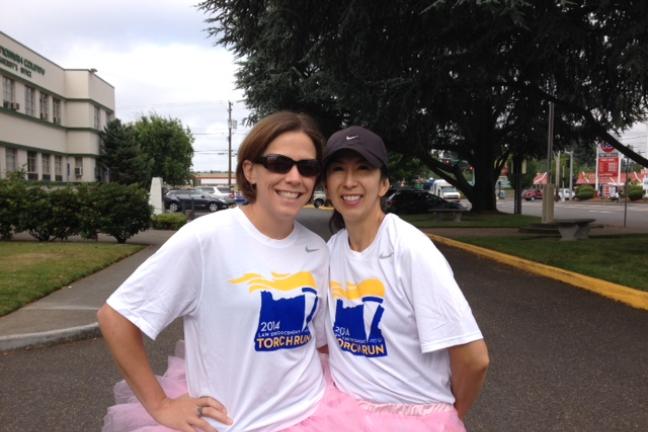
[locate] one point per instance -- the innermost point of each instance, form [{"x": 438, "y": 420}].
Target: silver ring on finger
[{"x": 199, "y": 411}]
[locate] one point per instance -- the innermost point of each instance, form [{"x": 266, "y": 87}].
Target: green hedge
[
  {"x": 12, "y": 201},
  {"x": 58, "y": 213},
  {"x": 169, "y": 221},
  {"x": 585, "y": 192},
  {"x": 635, "y": 192}
]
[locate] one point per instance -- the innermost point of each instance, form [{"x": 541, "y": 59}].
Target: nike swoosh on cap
[{"x": 349, "y": 138}]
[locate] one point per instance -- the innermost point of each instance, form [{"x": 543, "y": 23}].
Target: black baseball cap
[{"x": 362, "y": 141}]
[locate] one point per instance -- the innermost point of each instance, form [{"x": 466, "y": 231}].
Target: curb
[
  {"x": 623, "y": 294},
  {"x": 50, "y": 337}
]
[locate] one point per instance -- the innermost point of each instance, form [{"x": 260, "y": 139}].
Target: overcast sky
[
  {"x": 157, "y": 55},
  {"x": 154, "y": 52}
]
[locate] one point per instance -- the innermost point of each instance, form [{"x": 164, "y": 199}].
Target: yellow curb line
[{"x": 629, "y": 296}]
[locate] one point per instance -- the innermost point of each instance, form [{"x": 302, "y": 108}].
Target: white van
[{"x": 445, "y": 190}]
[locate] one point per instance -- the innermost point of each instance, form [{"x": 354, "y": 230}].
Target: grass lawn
[
  {"x": 30, "y": 270},
  {"x": 469, "y": 220},
  {"x": 619, "y": 259}
]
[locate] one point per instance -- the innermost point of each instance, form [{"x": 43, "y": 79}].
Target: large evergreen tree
[
  {"x": 471, "y": 78},
  {"x": 122, "y": 156}
]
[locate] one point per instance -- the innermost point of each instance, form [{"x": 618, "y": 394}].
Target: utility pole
[
  {"x": 558, "y": 175},
  {"x": 229, "y": 146},
  {"x": 571, "y": 173},
  {"x": 548, "y": 193}
]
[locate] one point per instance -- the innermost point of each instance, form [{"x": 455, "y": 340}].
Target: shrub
[
  {"x": 169, "y": 221},
  {"x": 635, "y": 192},
  {"x": 123, "y": 211},
  {"x": 66, "y": 209},
  {"x": 37, "y": 213},
  {"x": 89, "y": 217},
  {"x": 585, "y": 192},
  {"x": 51, "y": 214},
  {"x": 13, "y": 193}
]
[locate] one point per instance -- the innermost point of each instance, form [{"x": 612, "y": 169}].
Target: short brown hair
[{"x": 264, "y": 132}]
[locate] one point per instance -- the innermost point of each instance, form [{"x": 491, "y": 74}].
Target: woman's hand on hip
[{"x": 188, "y": 414}]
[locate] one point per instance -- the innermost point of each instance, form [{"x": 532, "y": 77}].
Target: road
[
  {"x": 562, "y": 360},
  {"x": 607, "y": 213}
]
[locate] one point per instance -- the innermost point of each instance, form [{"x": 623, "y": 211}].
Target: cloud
[
  {"x": 115, "y": 23},
  {"x": 154, "y": 52}
]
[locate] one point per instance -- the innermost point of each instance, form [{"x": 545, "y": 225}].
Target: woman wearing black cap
[{"x": 403, "y": 340}]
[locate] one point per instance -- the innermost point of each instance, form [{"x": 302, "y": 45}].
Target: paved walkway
[{"x": 70, "y": 313}]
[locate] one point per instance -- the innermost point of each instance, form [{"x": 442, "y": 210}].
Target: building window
[
  {"x": 56, "y": 111},
  {"x": 11, "y": 155},
  {"x": 96, "y": 118},
  {"x": 45, "y": 163},
  {"x": 78, "y": 167},
  {"x": 29, "y": 101},
  {"x": 32, "y": 173},
  {"x": 58, "y": 168},
  {"x": 9, "y": 93},
  {"x": 44, "y": 106}
]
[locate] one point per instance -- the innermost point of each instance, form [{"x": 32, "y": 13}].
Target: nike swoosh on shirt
[
  {"x": 385, "y": 256},
  {"x": 308, "y": 250}
]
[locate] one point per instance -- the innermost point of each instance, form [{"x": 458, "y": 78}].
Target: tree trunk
[
  {"x": 482, "y": 194},
  {"x": 517, "y": 184}
]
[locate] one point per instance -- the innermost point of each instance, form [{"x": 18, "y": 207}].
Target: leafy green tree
[
  {"x": 122, "y": 155},
  {"x": 473, "y": 78},
  {"x": 168, "y": 145},
  {"x": 526, "y": 178},
  {"x": 406, "y": 169}
]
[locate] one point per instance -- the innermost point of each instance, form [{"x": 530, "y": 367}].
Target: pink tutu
[
  {"x": 129, "y": 415},
  {"x": 336, "y": 412},
  {"x": 340, "y": 412}
]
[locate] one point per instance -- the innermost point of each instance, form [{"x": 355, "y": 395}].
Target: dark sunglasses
[{"x": 281, "y": 164}]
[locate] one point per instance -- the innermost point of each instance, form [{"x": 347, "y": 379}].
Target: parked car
[
  {"x": 185, "y": 199},
  {"x": 531, "y": 194},
  {"x": 407, "y": 200},
  {"x": 219, "y": 191},
  {"x": 319, "y": 198},
  {"x": 566, "y": 194}
]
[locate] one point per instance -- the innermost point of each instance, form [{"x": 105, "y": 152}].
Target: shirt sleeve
[
  {"x": 166, "y": 286},
  {"x": 443, "y": 316}
]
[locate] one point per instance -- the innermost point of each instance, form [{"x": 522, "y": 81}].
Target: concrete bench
[
  {"x": 573, "y": 229},
  {"x": 567, "y": 229},
  {"x": 447, "y": 213}
]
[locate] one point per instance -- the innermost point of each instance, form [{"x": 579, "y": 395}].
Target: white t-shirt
[
  {"x": 394, "y": 310},
  {"x": 248, "y": 303}
]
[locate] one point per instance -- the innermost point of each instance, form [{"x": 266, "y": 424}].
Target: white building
[{"x": 50, "y": 117}]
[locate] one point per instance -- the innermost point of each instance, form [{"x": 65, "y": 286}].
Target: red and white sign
[
  {"x": 608, "y": 166},
  {"x": 607, "y": 148}
]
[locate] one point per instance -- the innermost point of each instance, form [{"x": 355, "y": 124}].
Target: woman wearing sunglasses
[
  {"x": 403, "y": 341},
  {"x": 248, "y": 283}
]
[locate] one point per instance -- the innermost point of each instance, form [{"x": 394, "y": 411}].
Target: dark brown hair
[{"x": 267, "y": 130}]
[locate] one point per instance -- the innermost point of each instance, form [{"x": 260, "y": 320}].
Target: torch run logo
[
  {"x": 288, "y": 305},
  {"x": 358, "y": 311}
]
